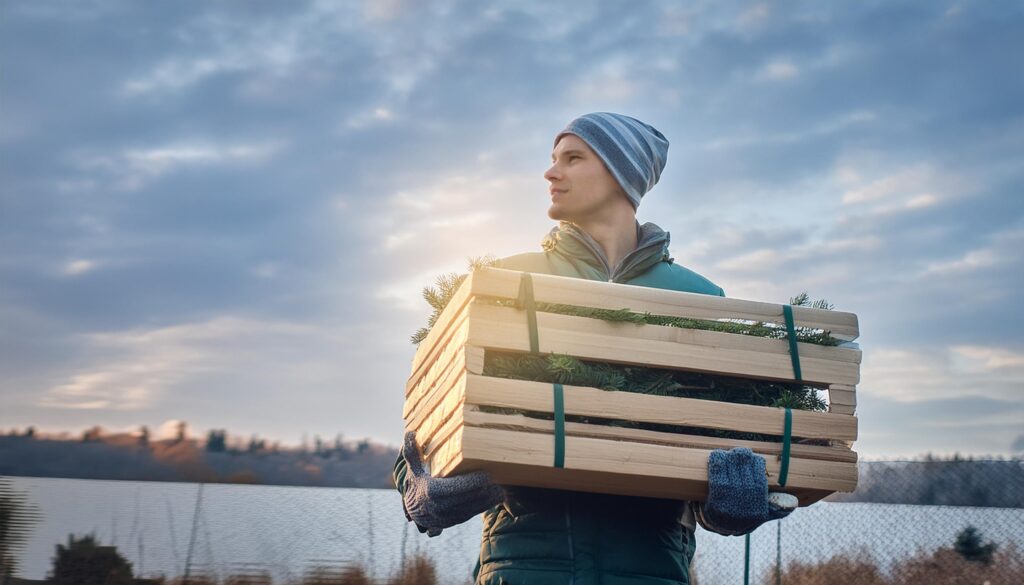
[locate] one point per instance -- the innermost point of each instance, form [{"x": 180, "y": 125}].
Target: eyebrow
[{"x": 568, "y": 153}]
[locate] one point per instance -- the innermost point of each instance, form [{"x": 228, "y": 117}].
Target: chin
[{"x": 557, "y": 213}]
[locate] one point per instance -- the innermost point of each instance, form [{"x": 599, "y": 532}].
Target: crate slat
[
  {"x": 494, "y": 327},
  {"x": 616, "y": 467},
  {"x": 547, "y": 288},
  {"x": 519, "y": 422},
  {"x": 670, "y": 410},
  {"x": 447, "y": 388},
  {"x": 428, "y": 377},
  {"x": 427, "y": 347}
]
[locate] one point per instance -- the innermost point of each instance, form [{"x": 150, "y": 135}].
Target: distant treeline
[
  {"x": 135, "y": 457},
  {"x": 952, "y": 481},
  {"x": 956, "y": 481}
]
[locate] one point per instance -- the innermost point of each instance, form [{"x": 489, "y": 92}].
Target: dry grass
[
  {"x": 418, "y": 570},
  {"x": 943, "y": 567},
  {"x": 352, "y": 575}
]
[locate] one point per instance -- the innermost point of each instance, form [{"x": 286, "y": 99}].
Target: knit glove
[
  {"x": 738, "y": 500},
  {"x": 435, "y": 503}
]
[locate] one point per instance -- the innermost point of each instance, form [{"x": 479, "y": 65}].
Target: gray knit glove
[
  {"x": 738, "y": 500},
  {"x": 435, "y": 503}
]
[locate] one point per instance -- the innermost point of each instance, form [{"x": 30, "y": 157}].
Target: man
[{"x": 602, "y": 165}]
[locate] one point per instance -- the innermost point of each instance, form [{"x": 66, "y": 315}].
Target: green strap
[
  {"x": 787, "y": 438},
  {"x": 778, "y": 552},
  {"x": 746, "y": 559},
  {"x": 794, "y": 353},
  {"x": 525, "y": 301},
  {"x": 559, "y": 425}
]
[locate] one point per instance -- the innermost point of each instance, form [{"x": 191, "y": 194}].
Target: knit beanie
[{"x": 634, "y": 152}]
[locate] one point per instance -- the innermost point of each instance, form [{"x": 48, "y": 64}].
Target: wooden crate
[{"x": 447, "y": 389}]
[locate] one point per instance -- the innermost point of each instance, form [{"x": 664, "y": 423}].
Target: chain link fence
[{"x": 909, "y": 522}]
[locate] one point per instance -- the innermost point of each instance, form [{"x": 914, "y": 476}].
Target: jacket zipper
[{"x": 613, "y": 276}]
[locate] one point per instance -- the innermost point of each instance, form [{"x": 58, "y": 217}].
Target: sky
[{"x": 224, "y": 212}]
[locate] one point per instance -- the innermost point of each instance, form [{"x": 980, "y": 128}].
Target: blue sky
[{"x": 224, "y": 212}]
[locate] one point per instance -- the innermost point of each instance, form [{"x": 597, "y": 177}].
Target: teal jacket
[{"x": 540, "y": 536}]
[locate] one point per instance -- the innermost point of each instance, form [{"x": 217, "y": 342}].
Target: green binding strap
[
  {"x": 559, "y": 425},
  {"x": 525, "y": 301},
  {"x": 746, "y": 559},
  {"x": 794, "y": 356},
  {"x": 794, "y": 353},
  {"x": 787, "y": 438}
]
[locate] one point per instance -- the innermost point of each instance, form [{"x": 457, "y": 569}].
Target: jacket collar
[{"x": 569, "y": 240}]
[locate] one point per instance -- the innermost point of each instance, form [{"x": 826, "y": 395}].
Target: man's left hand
[{"x": 738, "y": 500}]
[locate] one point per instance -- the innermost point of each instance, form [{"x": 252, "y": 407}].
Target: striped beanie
[{"x": 635, "y": 153}]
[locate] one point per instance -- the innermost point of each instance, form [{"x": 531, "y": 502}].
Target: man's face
[{"x": 581, "y": 186}]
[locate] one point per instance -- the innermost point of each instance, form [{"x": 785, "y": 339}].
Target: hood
[{"x": 569, "y": 240}]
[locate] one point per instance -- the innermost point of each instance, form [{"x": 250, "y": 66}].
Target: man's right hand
[{"x": 435, "y": 503}]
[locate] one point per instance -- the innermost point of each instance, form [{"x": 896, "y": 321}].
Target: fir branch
[{"x": 445, "y": 287}]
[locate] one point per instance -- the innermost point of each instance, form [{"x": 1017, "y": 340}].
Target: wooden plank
[
  {"x": 644, "y": 465},
  {"x": 547, "y": 288},
  {"x": 446, "y": 458},
  {"x": 425, "y": 353},
  {"x": 436, "y": 437},
  {"x": 426, "y": 406},
  {"x": 519, "y": 422},
  {"x": 474, "y": 359},
  {"x": 583, "y": 401},
  {"x": 448, "y": 406},
  {"x": 842, "y": 397},
  {"x": 505, "y": 328},
  {"x": 439, "y": 347},
  {"x": 414, "y": 401},
  {"x": 431, "y": 375},
  {"x": 711, "y": 339},
  {"x": 599, "y": 482}
]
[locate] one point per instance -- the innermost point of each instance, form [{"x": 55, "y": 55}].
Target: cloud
[
  {"x": 942, "y": 426},
  {"x": 137, "y": 369},
  {"x": 378, "y": 115},
  {"x": 217, "y": 43},
  {"x": 132, "y": 169},
  {"x": 814, "y": 131},
  {"x": 763, "y": 260},
  {"x": 939, "y": 372},
  {"x": 77, "y": 267},
  {"x": 971, "y": 261},
  {"x": 990, "y": 359},
  {"x": 901, "y": 183},
  {"x": 1018, "y": 444},
  {"x": 611, "y": 82},
  {"x": 460, "y": 215},
  {"x": 383, "y": 10},
  {"x": 778, "y": 70}
]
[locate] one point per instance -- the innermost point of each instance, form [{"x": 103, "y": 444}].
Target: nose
[{"x": 552, "y": 173}]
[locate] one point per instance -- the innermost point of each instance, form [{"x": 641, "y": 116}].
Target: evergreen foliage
[
  {"x": 572, "y": 371},
  {"x": 216, "y": 441},
  {"x": 17, "y": 515},
  {"x": 85, "y": 562},
  {"x": 968, "y": 544},
  {"x": 445, "y": 287}
]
